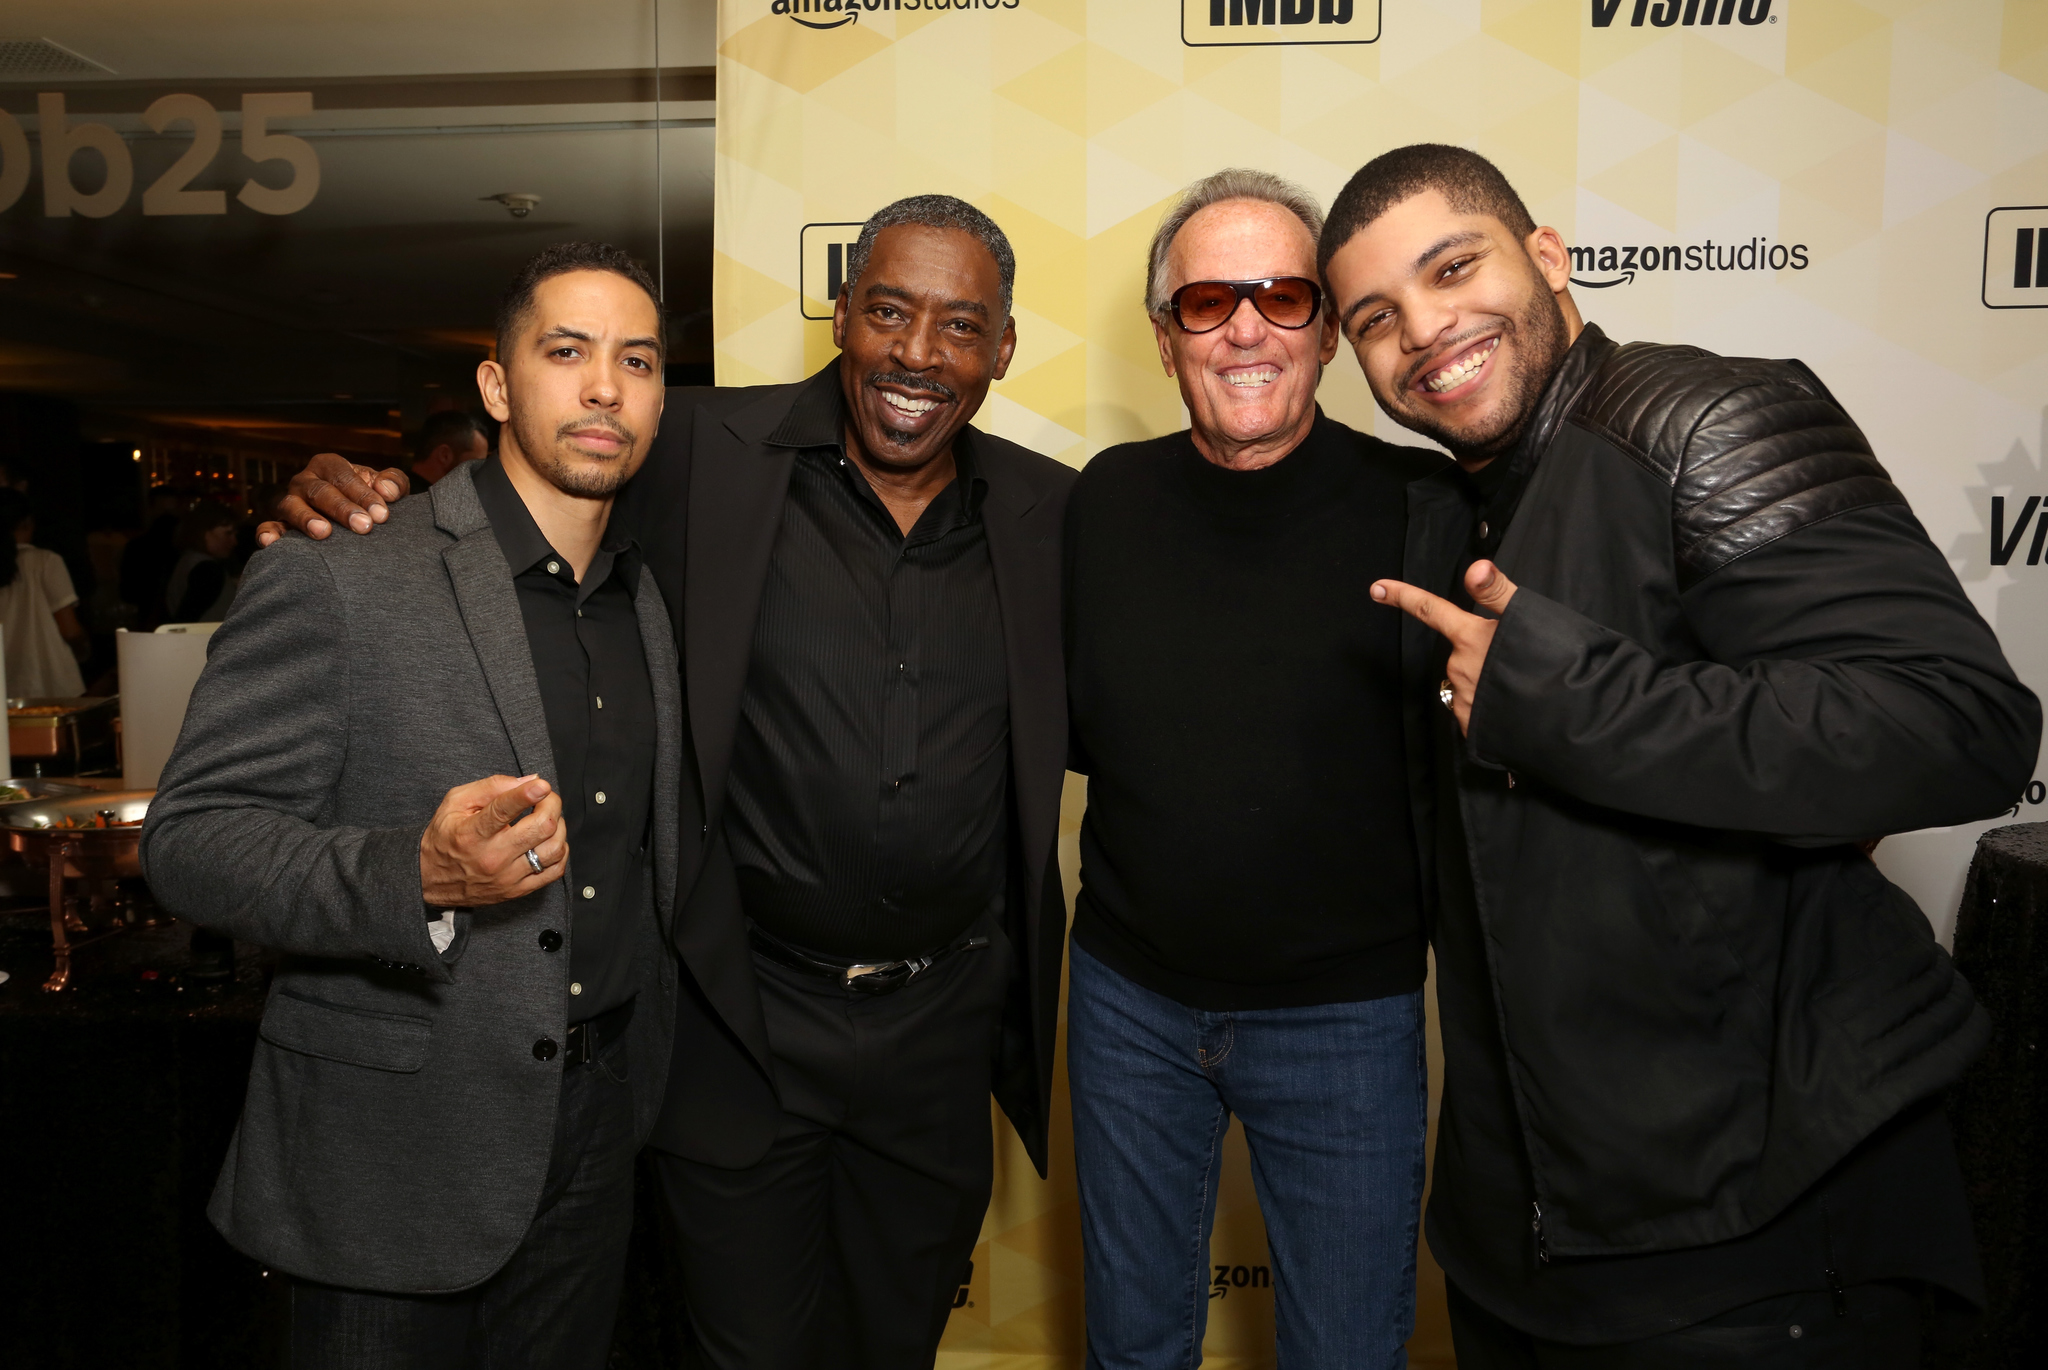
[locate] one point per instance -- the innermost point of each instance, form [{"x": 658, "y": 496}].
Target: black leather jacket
[{"x": 1732, "y": 655}]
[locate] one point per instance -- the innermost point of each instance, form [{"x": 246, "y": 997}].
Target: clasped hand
[
  {"x": 473, "y": 852},
  {"x": 1470, "y": 635}
]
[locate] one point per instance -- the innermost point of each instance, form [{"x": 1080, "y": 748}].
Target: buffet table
[{"x": 2000, "y": 1109}]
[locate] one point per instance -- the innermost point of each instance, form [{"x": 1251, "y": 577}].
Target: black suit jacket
[{"x": 706, "y": 508}]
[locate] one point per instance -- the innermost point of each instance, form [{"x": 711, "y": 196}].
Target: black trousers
[
  {"x": 1872, "y": 1327},
  {"x": 551, "y": 1305},
  {"x": 845, "y": 1245}
]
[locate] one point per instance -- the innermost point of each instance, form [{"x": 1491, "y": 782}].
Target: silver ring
[
  {"x": 533, "y": 861},
  {"x": 1445, "y": 694}
]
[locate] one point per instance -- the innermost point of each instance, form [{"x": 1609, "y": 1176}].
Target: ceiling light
[
  {"x": 138, "y": 454},
  {"x": 518, "y": 203}
]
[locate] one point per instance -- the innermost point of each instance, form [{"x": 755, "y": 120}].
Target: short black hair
[
  {"x": 935, "y": 211},
  {"x": 559, "y": 259},
  {"x": 1470, "y": 183},
  {"x": 451, "y": 426}
]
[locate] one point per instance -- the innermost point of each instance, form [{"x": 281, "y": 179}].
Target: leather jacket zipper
[{"x": 1536, "y": 1226}]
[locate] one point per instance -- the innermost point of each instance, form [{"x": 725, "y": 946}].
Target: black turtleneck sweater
[{"x": 1235, "y": 698}]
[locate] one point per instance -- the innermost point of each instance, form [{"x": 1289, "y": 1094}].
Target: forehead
[
  {"x": 1399, "y": 243},
  {"x": 1241, "y": 240},
  {"x": 594, "y": 301},
  {"x": 947, "y": 262}
]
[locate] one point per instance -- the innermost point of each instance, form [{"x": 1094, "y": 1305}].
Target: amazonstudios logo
[
  {"x": 1620, "y": 265},
  {"x": 833, "y": 14}
]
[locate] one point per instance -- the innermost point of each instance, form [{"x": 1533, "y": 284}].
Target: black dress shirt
[
  {"x": 599, "y": 701},
  {"x": 867, "y": 802}
]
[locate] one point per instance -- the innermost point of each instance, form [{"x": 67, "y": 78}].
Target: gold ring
[{"x": 1445, "y": 693}]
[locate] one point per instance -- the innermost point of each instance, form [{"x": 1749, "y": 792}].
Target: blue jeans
[{"x": 1334, "y": 1102}]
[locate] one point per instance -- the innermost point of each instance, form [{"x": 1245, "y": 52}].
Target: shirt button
[
  {"x": 590, "y": 891},
  {"x": 550, "y": 940},
  {"x": 600, "y": 700},
  {"x": 600, "y": 796},
  {"x": 545, "y": 1049},
  {"x": 575, "y": 988},
  {"x": 1484, "y": 531},
  {"x": 554, "y": 566}
]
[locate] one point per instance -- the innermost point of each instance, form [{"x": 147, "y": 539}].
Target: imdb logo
[{"x": 1267, "y": 23}]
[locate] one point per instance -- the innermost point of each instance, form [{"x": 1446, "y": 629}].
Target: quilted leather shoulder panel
[{"x": 1753, "y": 449}]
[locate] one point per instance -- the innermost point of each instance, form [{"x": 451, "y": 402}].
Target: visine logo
[
  {"x": 1263, "y": 23},
  {"x": 1663, "y": 14}
]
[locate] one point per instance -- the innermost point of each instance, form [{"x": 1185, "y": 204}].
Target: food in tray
[
  {"x": 95, "y": 820},
  {"x": 39, "y": 710}
]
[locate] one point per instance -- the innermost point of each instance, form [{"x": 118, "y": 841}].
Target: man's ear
[
  {"x": 490, "y": 383},
  {"x": 1006, "y": 347},
  {"x": 1553, "y": 259},
  {"x": 839, "y": 307},
  {"x": 1165, "y": 346}
]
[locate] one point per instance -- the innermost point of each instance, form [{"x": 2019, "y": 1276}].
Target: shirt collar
[
  {"x": 818, "y": 420},
  {"x": 521, "y": 539}
]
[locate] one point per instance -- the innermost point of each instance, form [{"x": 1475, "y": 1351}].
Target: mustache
[
  {"x": 604, "y": 421},
  {"x": 906, "y": 381}
]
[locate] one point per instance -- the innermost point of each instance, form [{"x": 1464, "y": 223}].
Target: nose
[
  {"x": 1424, "y": 321},
  {"x": 1247, "y": 327}
]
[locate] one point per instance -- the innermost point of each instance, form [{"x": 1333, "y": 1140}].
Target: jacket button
[
  {"x": 544, "y": 1049},
  {"x": 550, "y": 940}
]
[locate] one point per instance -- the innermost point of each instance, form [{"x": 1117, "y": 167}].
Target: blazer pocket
[{"x": 353, "y": 1036}]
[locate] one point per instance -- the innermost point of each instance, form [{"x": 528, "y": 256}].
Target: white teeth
[
  {"x": 909, "y": 406},
  {"x": 1453, "y": 376},
  {"x": 1251, "y": 378}
]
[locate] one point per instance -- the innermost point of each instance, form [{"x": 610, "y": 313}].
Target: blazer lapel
[
  {"x": 737, "y": 488},
  {"x": 658, "y": 644},
  {"x": 490, "y": 610},
  {"x": 1024, "y": 550}
]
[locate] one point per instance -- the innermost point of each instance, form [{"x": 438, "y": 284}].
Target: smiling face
[
  {"x": 581, "y": 390},
  {"x": 920, "y": 334},
  {"x": 1458, "y": 324},
  {"x": 1249, "y": 385}
]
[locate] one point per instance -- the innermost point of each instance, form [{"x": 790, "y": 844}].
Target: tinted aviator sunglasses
[{"x": 1283, "y": 301}]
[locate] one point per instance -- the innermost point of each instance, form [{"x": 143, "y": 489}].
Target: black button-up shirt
[
  {"x": 867, "y": 799},
  {"x": 599, "y": 702}
]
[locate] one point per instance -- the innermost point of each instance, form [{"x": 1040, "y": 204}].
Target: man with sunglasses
[{"x": 1249, "y": 935}]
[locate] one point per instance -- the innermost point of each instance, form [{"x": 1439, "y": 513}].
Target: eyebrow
[
  {"x": 564, "y": 331},
  {"x": 1424, "y": 258},
  {"x": 897, "y": 292}
]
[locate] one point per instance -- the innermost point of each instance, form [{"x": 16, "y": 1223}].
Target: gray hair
[
  {"x": 1231, "y": 183},
  {"x": 935, "y": 211}
]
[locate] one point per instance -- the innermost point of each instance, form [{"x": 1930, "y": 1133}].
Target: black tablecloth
[
  {"x": 117, "y": 1099},
  {"x": 2000, "y": 1108}
]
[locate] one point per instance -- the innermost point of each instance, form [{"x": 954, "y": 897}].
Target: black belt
[
  {"x": 593, "y": 1035},
  {"x": 868, "y": 977}
]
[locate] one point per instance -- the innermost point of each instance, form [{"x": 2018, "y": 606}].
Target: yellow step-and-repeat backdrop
[{"x": 1859, "y": 183}]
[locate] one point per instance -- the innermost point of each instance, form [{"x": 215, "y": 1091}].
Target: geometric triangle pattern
[{"x": 1809, "y": 178}]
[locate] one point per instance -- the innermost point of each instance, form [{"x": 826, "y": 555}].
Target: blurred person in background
[
  {"x": 202, "y": 584},
  {"x": 447, "y": 439},
  {"x": 147, "y": 561},
  {"x": 45, "y": 641}
]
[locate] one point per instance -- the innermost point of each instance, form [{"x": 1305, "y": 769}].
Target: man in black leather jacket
[{"x": 1694, "y": 1041}]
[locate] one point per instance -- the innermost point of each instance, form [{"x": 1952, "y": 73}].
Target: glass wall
[{"x": 234, "y": 233}]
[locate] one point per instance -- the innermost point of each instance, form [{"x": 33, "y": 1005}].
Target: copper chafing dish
[
  {"x": 93, "y": 838},
  {"x": 40, "y": 727}
]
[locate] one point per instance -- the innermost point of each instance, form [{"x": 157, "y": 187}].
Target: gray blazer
[{"x": 397, "y": 1127}]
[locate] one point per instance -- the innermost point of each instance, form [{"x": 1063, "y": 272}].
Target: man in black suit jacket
[{"x": 866, "y": 594}]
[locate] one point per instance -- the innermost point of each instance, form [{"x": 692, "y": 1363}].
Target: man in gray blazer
[{"x": 463, "y": 1050}]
